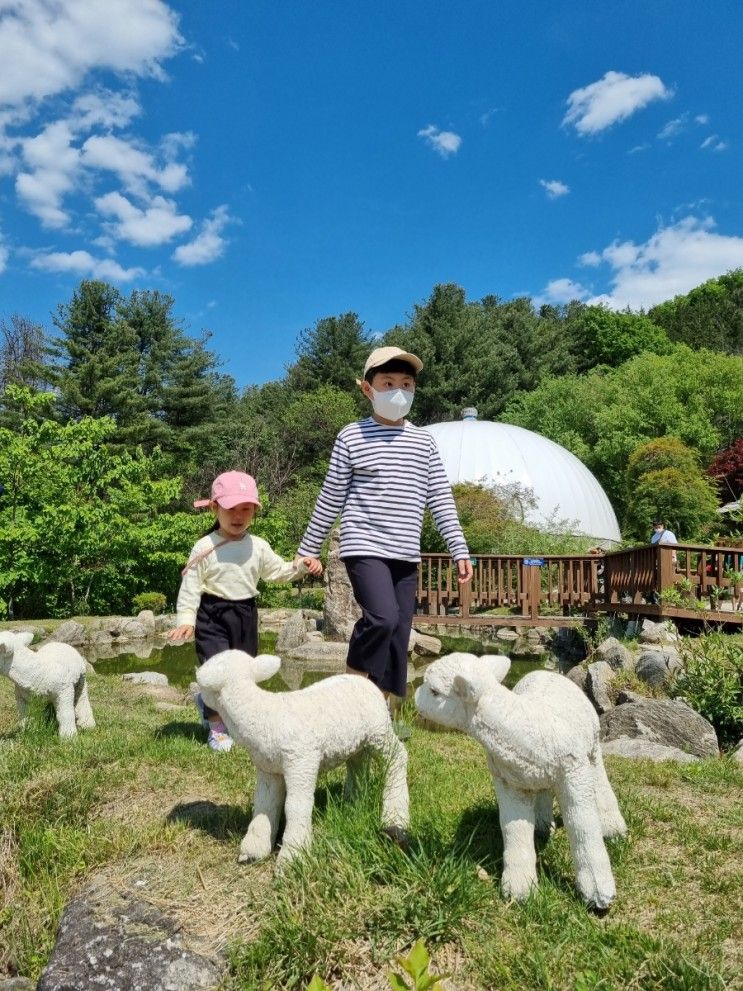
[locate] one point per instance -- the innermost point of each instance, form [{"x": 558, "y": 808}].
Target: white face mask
[{"x": 392, "y": 405}]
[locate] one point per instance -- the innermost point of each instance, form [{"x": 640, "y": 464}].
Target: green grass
[{"x": 141, "y": 798}]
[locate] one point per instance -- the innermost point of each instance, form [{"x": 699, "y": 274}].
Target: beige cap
[{"x": 380, "y": 356}]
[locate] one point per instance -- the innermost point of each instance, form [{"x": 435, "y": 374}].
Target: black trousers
[
  {"x": 225, "y": 625},
  {"x": 385, "y": 590}
]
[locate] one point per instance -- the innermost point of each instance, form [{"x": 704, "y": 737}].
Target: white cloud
[
  {"x": 554, "y": 188},
  {"x": 591, "y": 259},
  {"x": 708, "y": 142},
  {"x": 157, "y": 224},
  {"x": 642, "y": 147},
  {"x": 4, "y": 255},
  {"x": 48, "y": 46},
  {"x": 132, "y": 165},
  {"x": 612, "y": 98},
  {"x": 209, "y": 244},
  {"x": 82, "y": 264},
  {"x": 444, "y": 142},
  {"x": 103, "y": 108},
  {"x": 562, "y": 291},
  {"x": 701, "y": 119},
  {"x": 673, "y": 127},
  {"x": 671, "y": 262},
  {"x": 713, "y": 143},
  {"x": 52, "y": 164}
]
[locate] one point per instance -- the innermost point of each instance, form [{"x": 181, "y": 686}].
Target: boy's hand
[
  {"x": 180, "y": 634},
  {"x": 312, "y": 564},
  {"x": 464, "y": 567}
]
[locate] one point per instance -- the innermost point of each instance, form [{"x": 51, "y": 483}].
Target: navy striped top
[{"x": 380, "y": 480}]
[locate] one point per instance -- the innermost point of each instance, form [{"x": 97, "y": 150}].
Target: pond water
[{"x": 178, "y": 663}]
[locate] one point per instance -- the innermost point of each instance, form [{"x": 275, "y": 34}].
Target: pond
[{"x": 178, "y": 663}]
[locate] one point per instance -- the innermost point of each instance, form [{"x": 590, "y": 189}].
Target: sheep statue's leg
[
  {"x": 21, "y": 703},
  {"x": 580, "y": 814},
  {"x": 301, "y": 779},
  {"x": 395, "y": 799},
  {"x": 83, "y": 712},
  {"x": 64, "y": 707},
  {"x": 612, "y": 821},
  {"x": 517, "y": 813},
  {"x": 544, "y": 822},
  {"x": 268, "y": 802}
]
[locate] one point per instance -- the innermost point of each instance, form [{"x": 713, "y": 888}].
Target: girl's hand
[
  {"x": 312, "y": 564},
  {"x": 180, "y": 634},
  {"x": 464, "y": 567}
]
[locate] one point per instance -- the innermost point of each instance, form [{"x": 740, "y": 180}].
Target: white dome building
[{"x": 500, "y": 454}]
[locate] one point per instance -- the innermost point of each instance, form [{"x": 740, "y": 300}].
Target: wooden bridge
[{"x": 680, "y": 581}]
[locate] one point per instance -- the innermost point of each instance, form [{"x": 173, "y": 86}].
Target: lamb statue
[
  {"x": 541, "y": 740},
  {"x": 55, "y": 671},
  {"x": 292, "y": 736}
]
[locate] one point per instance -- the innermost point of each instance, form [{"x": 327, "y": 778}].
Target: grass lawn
[{"x": 143, "y": 803}]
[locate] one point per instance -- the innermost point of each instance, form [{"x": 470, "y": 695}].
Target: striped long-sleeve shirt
[{"x": 380, "y": 480}]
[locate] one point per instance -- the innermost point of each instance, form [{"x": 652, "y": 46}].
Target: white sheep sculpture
[
  {"x": 292, "y": 736},
  {"x": 541, "y": 740},
  {"x": 56, "y": 671}
]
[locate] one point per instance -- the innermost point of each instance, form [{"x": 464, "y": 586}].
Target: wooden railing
[{"x": 631, "y": 580}]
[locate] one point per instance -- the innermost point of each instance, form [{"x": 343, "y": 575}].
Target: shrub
[
  {"x": 155, "y": 601},
  {"x": 712, "y": 683}
]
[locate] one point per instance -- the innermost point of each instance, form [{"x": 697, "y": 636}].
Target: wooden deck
[{"x": 560, "y": 590}]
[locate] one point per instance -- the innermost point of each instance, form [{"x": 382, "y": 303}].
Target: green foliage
[
  {"x": 712, "y": 683},
  {"x": 154, "y": 601},
  {"x": 416, "y": 964},
  {"x": 709, "y": 316},
  {"x": 598, "y": 336},
  {"x": 83, "y": 528},
  {"x": 332, "y": 353}
]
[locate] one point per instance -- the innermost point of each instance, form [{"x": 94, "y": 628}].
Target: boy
[{"x": 383, "y": 473}]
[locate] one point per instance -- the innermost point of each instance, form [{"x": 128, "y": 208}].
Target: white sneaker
[{"x": 219, "y": 739}]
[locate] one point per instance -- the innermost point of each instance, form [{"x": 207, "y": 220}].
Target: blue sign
[{"x": 535, "y": 562}]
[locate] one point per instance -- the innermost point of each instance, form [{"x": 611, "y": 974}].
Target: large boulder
[
  {"x": 70, "y": 632},
  {"x": 598, "y": 685},
  {"x": 424, "y": 645},
  {"x": 651, "y": 632},
  {"x": 645, "y": 750},
  {"x": 293, "y": 632},
  {"x": 340, "y": 609},
  {"x": 657, "y": 667},
  {"x": 578, "y": 674},
  {"x": 670, "y": 722},
  {"x": 147, "y": 618},
  {"x": 615, "y": 654},
  {"x": 112, "y": 940},
  {"x": 738, "y": 753}
]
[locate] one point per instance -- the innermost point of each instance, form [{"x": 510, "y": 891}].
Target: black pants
[
  {"x": 225, "y": 625},
  {"x": 385, "y": 590}
]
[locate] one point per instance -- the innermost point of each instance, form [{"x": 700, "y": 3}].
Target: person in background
[
  {"x": 383, "y": 473},
  {"x": 217, "y": 597}
]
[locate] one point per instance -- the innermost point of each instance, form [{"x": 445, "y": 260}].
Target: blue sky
[{"x": 271, "y": 163}]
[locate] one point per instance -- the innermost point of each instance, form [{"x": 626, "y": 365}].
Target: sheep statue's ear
[
  {"x": 265, "y": 666},
  {"x": 498, "y": 665},
  {"x": 467, "y": 686}
]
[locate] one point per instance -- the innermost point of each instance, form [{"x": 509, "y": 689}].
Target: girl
[{"x": 217, "y": 597}]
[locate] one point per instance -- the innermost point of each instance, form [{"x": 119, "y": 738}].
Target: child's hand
[
  {"x": 464, "y": 567},
  {"x": 180, "y": 634},
  {"x": 312, "y": 564}
]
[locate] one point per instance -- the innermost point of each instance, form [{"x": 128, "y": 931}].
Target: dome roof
[{"x": 499, "y": 454}]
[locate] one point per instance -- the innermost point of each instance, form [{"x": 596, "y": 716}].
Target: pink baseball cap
[{"x": 230, "y": 489}]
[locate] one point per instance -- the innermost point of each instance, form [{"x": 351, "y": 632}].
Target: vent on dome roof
[{"x": 470, "y": 413}]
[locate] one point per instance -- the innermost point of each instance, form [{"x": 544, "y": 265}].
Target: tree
[
  {"x": 331, "y": 353},
  {"x": 710, "y": 316},
  {"x": 83, "y": 528},
  {"x": 727, "y": 471},
  {"x": 22, "y": 353},
  {"x": 598, "y": 336}
]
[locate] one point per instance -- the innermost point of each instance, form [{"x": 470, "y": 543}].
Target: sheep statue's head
[
  {"x": 9, "y": 643},
  {"x": 453, "y": 685},
  {"x": 233, "y": 666}
]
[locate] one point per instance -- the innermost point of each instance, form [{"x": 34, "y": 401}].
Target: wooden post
[{"x": 666, "y": 567}]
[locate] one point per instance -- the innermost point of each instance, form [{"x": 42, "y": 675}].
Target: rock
[
  {"x": 598, "y": 682},
  {"x": 272, "y": 620},
  {"x": 315, "y": 636},
  {"x": 527, "y": 648},
  {"x": 578, "y": 675},
  {"x": 147, "y": 618},
  {"x": 504, "y": 633},
  {"x": 658, "y": 632},
  {"x": 110, "y": 940},
  {"x": 165, "y": 623},
  {"x": 614, "y": 654},
  {"x": 340, "y": 610},
  {"x": 99, "y": 638},
  {"x": 533, "y": 634},
  {"x": 737, "y": 754},
  {"x": 669, "y": 722},
  {"x": 293, "y": 632},
  {"x": 656, "y": 667},
  {"x": 146, "y": 678},
  {"x": 17, "y": 984},
  {"x": 70, "y": 632},
  {"x": 132, "y": 629},
  {"x": 624, "y": 746},
  {"x": 321, "y": 652},
  {"x": 624, "y": 695},
  {"x": 424, "y": 645}
]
